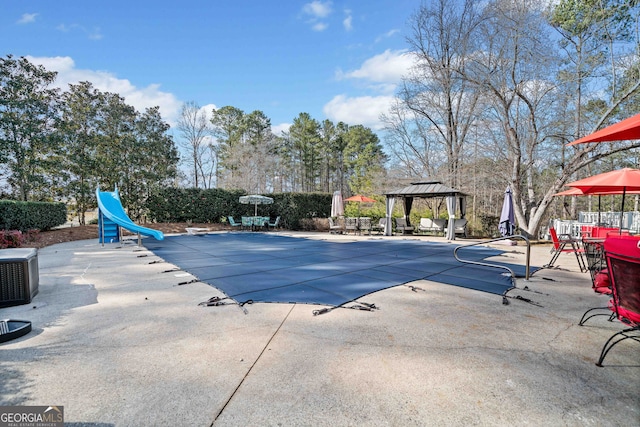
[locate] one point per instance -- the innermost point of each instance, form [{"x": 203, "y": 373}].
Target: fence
[{"x": 630, "y": 221}]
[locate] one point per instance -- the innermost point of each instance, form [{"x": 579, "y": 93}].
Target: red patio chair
[
  {"x": 623, "y": 261},
  {"x": 560, "y": 243},
  {"x": 600, "y": 282}
]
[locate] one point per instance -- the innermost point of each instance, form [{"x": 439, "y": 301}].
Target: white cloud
[
  {"x": 27, "y": 18},
  {"x": 387, "y": 67},
  {"x": 279, "y": 129},
  {"x": 317, "y": 9},
  {"x": 364, "y": 110},
  {"x": 348, "y": 21},
  {"x": 386, "y": 35},
  {"x": 319, "y": 26},
  {"x": 208, "y": 110},
  {"x": 92, "y": 34},
  {"x": 140, "y": 98}
]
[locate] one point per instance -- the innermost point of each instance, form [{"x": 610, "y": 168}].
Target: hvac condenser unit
[{"x": 18, "y": 276}]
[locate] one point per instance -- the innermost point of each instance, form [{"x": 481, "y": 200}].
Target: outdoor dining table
[{"x": 255, "y": 222}]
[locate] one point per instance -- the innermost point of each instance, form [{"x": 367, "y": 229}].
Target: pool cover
[{"x": 262, "y": 267}]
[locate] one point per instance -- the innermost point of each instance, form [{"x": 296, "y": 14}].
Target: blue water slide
[{"x": 110, "y": 206}]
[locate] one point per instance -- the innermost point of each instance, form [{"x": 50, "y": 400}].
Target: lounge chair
[
  {"x": 428, "y": 225},
  {"x": 460, "y": 226},
  {"x": 401, "y": 226}
]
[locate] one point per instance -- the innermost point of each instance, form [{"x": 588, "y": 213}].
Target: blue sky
[{"x": 339, "y": 60}]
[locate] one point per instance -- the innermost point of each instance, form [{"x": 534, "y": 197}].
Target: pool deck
[{"x": 118, "y": 342}]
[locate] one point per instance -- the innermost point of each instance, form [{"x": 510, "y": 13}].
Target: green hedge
[
  {"x": 26, "y": 216},
  {"x": 215, "y": 205}
]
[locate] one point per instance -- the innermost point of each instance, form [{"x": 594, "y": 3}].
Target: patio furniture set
[
  {"x": 364, "y": 224},
  {"x": 612, "y": 258},
  {"x": 254, "y": 223}
]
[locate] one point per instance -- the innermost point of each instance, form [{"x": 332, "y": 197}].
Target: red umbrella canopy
[
  {"x": 621, "y": 131},
  {"x": 578, "y": 192},
  {"x": 626, "y": 180},
  {"x": 360, "y": 198}
]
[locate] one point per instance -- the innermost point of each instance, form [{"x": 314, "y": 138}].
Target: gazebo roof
[{"x": 425, "y": 189}]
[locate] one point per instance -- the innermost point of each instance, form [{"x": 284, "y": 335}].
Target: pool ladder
[{"x": 486, "y": 264}]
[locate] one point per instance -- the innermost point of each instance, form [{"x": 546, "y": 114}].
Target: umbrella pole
[{"x": 624, "y": 190}]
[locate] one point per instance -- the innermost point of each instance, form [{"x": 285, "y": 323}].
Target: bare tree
[
  {"x": 516, "y": 68},
  {"x": 195, "y": 131},
  {"x": 441, "y": 104}
]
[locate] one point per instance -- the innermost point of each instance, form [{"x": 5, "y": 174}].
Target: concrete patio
[{"x": 118, "y": 342}]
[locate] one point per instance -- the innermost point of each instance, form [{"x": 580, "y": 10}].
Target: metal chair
[
  {"x": 364, "y": 224},
  {"x": 623, "y": 262},
  {"x": 335, "y": 227},
  {"x": 274, "y": 224},
  {"x": 560, "y": 243},
  {"x": 233, "y": 223},
  {"x": 600, "y": 281}
]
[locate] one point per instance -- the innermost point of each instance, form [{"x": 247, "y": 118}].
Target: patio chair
[
  {"x": 460, "y": 226},
  {"x": 274, "y": 224},
  {"x": 401, "y": 225},
  {"x": 247, "y": 223},
  {"x": 335, "y": 227},
  {"x": 600, "y": 282},
  {"x": 379, "y": 226},
  {"x": 560, "y": 243},
  {"x": 428, "y": 225},
  {"x": 351, "y": 224},
  {"x": 233, "y": 223},
  {"x": 623, "y": 262},
  {"x": 364, "y": 224}
]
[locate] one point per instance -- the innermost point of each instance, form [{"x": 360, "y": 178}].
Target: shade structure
[
  {"x": 507, "y": 222},
  {"x": 256, "y": 199},
  {"x": 359, "y": 198},
  {"x": 625, "y": 179},
  {"x": 621, "y": 180},
  {"x": 570, "y": 192},
  {"x": 337, "y": 207},
  {"x": 621, "y": 131},
  {"x": 578, "y": 192}
]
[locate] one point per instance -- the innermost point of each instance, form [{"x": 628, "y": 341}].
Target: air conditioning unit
[{"x": 19, "y": 278}]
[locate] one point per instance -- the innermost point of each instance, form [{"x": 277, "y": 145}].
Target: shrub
[
  {"x": 24, "y": 216},
  {"x": 11, "y": 239}
]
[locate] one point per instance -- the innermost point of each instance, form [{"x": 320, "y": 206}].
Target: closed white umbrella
[{"x": 337, "y": 207}]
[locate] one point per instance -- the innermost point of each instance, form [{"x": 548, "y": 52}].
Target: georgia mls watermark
[{"x": 31, "y": 416}]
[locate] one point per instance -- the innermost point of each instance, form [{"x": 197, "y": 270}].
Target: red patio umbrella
[
  {"x": 359, "y": 198},
  {"x": 624, "y": 180},
  {"x": 621, "y": 180},
  {"x": 621, "y": 131}
]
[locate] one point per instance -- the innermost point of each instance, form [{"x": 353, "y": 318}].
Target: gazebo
[{"x": 426, "y": 190}]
